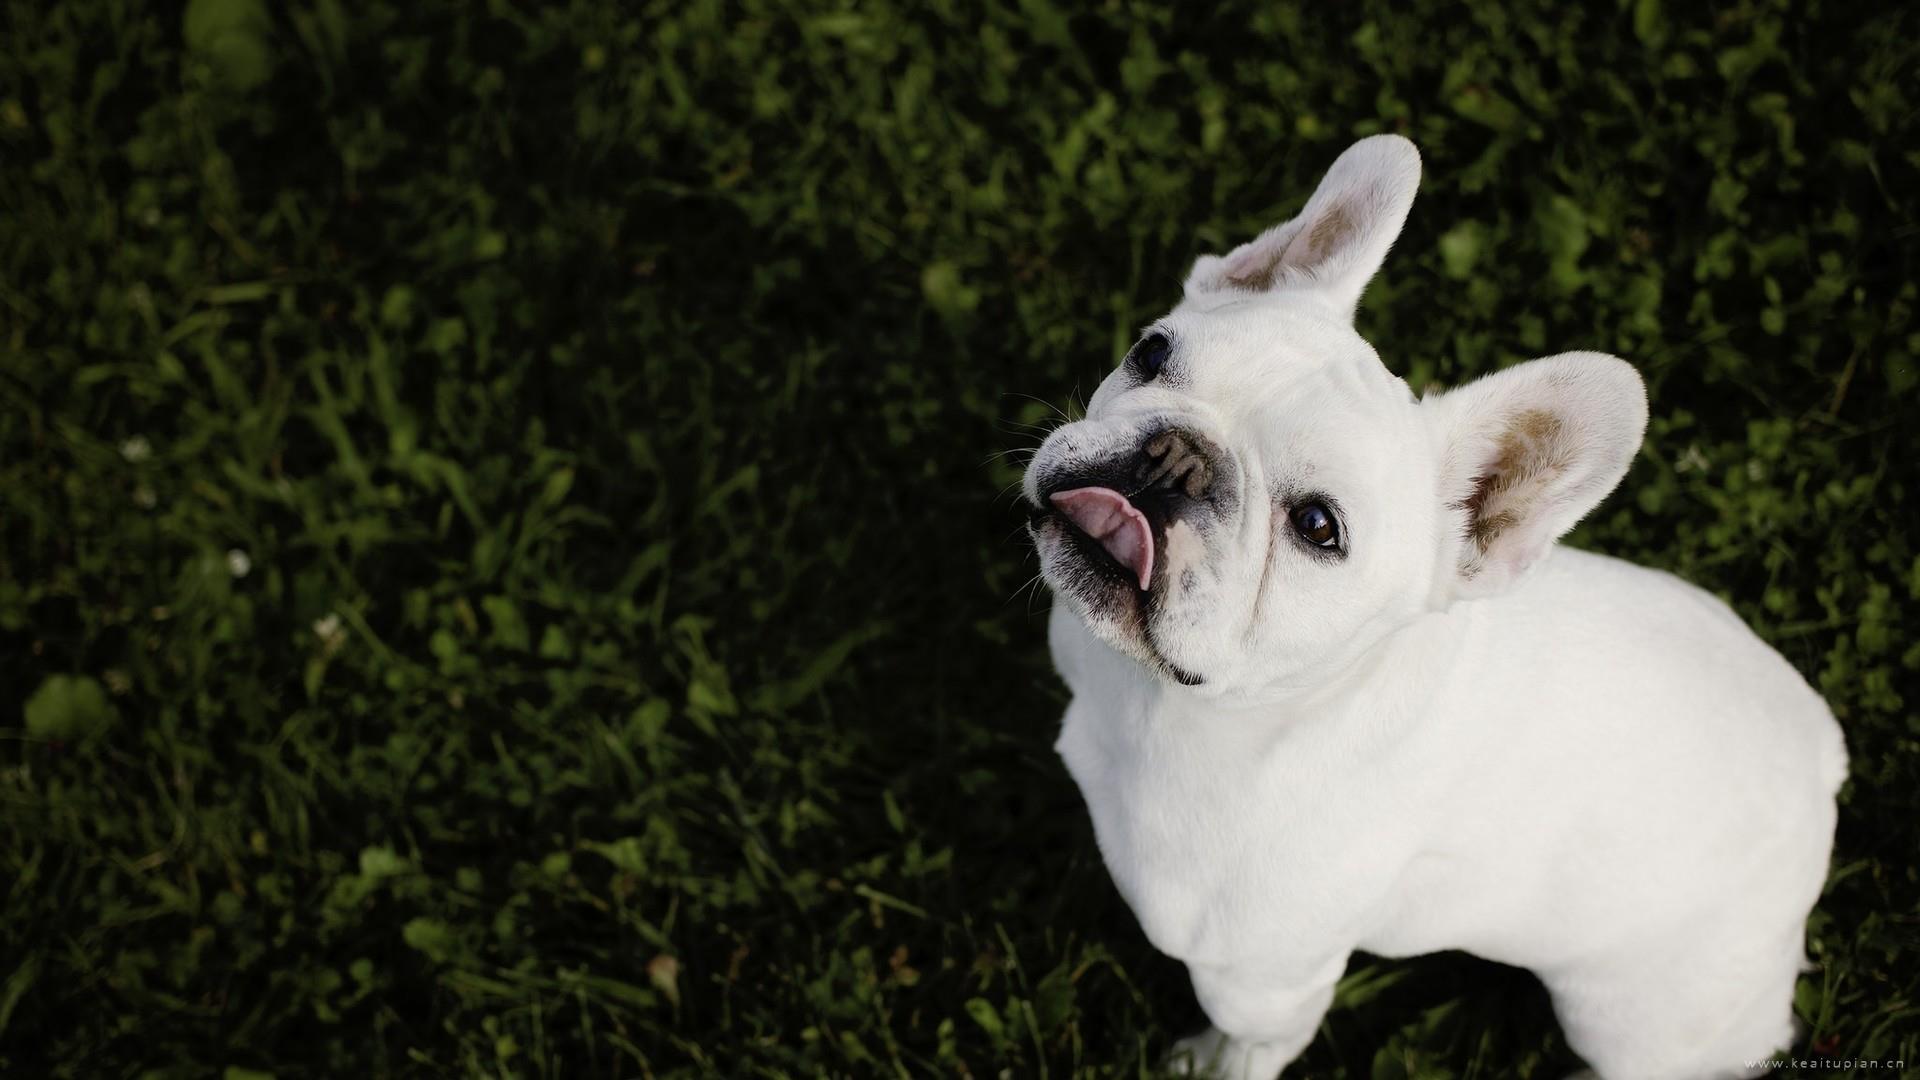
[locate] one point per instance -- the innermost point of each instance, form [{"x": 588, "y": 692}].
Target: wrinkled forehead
[{"x": 1263, "y": 350}]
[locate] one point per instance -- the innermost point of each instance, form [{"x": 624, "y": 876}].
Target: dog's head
[{"x": 1253, "y": 499}]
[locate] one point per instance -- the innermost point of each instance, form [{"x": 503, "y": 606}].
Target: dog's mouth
[
  {"x": 1115, "y": 540},
  {"x": 1114, "y": 535},
  {"x": 1102, "y": 530}
]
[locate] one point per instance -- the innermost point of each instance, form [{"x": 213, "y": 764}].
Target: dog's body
[
  {"x": 1334, "y": 688},
  {"x": 1403, "y": 815}
]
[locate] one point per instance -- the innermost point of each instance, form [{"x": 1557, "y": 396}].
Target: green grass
[{"x": 630, "y": 674}]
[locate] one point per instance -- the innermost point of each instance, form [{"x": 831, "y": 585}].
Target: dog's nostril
[
  {"x": 1173, "y": 462},
  {"x": 1199, "y": 478}
]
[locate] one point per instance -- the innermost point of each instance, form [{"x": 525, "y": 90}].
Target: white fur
[{"x": 1447, "y": 739}]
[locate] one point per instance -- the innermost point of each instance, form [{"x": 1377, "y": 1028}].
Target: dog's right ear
[
  {"x": 1525, "y": 453},
  {"x": 1339, "y": 240}
]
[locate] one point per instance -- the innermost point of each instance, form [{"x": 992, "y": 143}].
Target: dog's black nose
[{"x": 1179, "y": 461}]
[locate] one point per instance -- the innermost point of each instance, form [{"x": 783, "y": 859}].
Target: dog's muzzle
[{"x": 1119, "y": 509}]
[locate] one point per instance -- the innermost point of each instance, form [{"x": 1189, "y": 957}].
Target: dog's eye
[
  {"x": 1151, "y": 355},
  {"x": 1315, "y": 523}
]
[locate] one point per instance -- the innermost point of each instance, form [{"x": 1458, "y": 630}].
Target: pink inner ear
[
  {"x": 1252, "y": 268},
  {"x": 1256, "y": 264},
  {"x": 1105, "y": 515}
]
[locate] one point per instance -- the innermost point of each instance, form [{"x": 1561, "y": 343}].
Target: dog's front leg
[{"x": 1263, "y": 1016}]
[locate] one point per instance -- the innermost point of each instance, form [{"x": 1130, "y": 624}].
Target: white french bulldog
[{"x": 1335, "y": 687}]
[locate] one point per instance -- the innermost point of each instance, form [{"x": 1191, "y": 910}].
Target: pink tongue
[{"x": 1108, "y": 517}]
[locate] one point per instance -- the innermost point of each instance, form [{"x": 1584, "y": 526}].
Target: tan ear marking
[
  {"x": 1530, "y": 455},
  {"x": 1329, "y": 232},
  {"x": 1535, "y": 425},
  {"x": 1334, "y": 227},
  {"x": 1258, "y": 279}
]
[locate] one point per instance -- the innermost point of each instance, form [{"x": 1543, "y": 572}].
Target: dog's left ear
[
  {"x": 1339, "y": 240},
  {"x": 1526, "y": 453}
]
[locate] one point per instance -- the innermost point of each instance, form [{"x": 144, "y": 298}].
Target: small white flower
[
  {"x": 326, "y": 626},
  {"x": 144, "y": 498},
  {"x": 136, "y": 449},
  {"x": 237, "y": 563}
]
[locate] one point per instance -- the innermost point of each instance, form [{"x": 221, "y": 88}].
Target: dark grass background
[{"x": 506, "y": 567}]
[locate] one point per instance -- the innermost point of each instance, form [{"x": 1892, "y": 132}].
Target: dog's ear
[
  {"x": 1526, "y": 453},
  {"x": 1339, "y": 240}
]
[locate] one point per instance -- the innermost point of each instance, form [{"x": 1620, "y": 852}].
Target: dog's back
[
  {"x": 1638, "y": 757},
  {"x": 1653, "y": 790}
]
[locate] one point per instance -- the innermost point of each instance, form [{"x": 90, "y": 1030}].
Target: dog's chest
[{"x": 1223, "y": 846}]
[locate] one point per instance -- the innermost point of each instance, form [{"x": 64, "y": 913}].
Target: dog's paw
[
  {"x": 1197, "y": 1055},
  {"x": 1214, "y": 1053}
]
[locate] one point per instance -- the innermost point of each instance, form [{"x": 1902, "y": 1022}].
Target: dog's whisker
[
  {"x": 1001, "y": 455},
  {"x": 1011, "y": 485},
  {"x": 1031, "y": 588},
  {"x": 1018, "y": 427},
  {"x": 1057, "y": 410}
]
